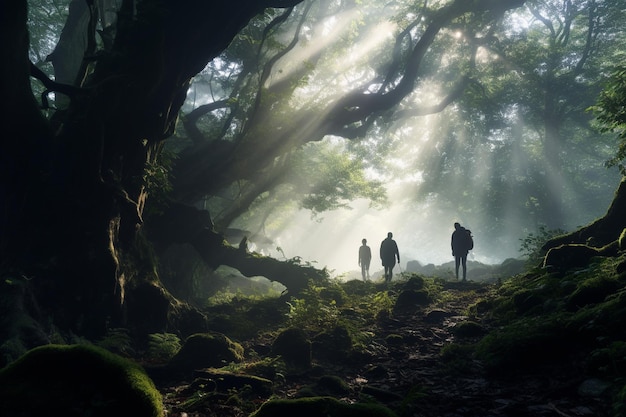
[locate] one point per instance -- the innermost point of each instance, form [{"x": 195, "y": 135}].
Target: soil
[{"x": 411, "y": 378}]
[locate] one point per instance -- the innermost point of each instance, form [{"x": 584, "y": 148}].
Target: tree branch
[{"x": 53, "y": 86}]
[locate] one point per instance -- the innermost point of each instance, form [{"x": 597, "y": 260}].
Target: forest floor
[{"x": 411, "y": 378}]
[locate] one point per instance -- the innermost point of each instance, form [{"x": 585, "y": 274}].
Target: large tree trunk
[
  {"x": 72, "y": 201},
  {"x": 603, "y": 231}
]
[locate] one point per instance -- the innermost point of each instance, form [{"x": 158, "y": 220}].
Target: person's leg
[
  {"x": 457, "y": 261},
  {"x": 464, "y": 262},
  {"x": 363, "y": 271}
]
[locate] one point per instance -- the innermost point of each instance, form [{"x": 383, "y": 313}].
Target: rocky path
[{"x": 402, "y": 368}]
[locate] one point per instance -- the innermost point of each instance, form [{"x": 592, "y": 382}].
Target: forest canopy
[{"x": 143, "y": 133}]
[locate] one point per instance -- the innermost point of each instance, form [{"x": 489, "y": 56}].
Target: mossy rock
[
  {"x": 336, "y": 343},
  {"x": 468, "y": 329},
  {"x": 592, "y": 291},
  {"x": 320, "y": 406},
  {"x": 410, "y": 301},
  {"x": 569, "y": 256},
  {"x": 206, "y": 350},
  {"x": 76, "y": 380},
  {"x": 294, "y": 347},
  {"x": 415, "y": 282}
]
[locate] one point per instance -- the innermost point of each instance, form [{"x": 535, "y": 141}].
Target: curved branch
[
  {"x": 358, "y": 105},
  {"x": 186, "y": 224},
  {"x": 191, "y": 118},
  {"x": 53, "y": 86}
]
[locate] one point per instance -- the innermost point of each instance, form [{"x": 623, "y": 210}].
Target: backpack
[{"x": 469, "y": 240}]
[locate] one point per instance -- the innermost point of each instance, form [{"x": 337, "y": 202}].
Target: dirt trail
[{"x": 411, "y": 378}]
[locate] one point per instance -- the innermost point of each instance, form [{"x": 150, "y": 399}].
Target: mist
[{"x": 488, "y": 160}]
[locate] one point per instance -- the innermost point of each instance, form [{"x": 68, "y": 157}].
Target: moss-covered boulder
[
  {"x": 294, "y": 347},
  {"x": 76, "y": 380},
  {"x": 564, "y": 257},
  {"x": 468, "y": 329},
  {"x": 206, "y": 350},
  {"x": 320, "y": 406},
  {"x": 410, "y": 301},
  {"x": 333, "y": 344},
  {"x": 415, "y": 282}
]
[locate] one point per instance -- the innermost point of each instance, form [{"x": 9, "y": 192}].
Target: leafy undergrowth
[{"x": 541, "y": 343}]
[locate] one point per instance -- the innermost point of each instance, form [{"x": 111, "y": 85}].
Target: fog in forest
[
  {"x": 333, "y": 239},
  {"x": 481, "y": 162}
]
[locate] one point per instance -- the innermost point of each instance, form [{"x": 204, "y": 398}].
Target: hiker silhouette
[
  {"x": 365, "y": 256},
  {"x": 461, "y": 243},
  {"x": 388, "y": 254}
]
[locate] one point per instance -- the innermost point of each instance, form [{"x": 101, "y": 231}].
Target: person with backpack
[
  {"x": 388, "y": 254},
  {"x": 365, "y": 256},
  {"x": 462, "y": 243}
]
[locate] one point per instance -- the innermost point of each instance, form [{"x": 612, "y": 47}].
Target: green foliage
[
  {"x": 530, "y": 245},
  {"x": 310, "y": 312},
  {"x": 610, "y": 112},
  {"x": 162, "y": 346},
  {"x": 382, "y": 302},
  {"x": 156, "y": 180},
  {"x": 320, "y": 307},
  {"x": 119, "y": 341},
  {"x": 332, "y": 178}
]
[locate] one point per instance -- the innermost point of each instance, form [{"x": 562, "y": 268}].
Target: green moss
[
  {"x": 320, "y": 406},
  {"x": 468, "y": 329},
  {"x": 333, "y": 384},
  {"x": 294, "y": 347},
  {"x": 593, "y": 291},
  {"x": 527, "y": 344},
  {"x": 457, "y": 358},
  {"x": 204, "y": 350},
  {"x": 622, "y": 240},
  {"x": 77, "y": 380},
  {"x": 394, "y": 340}
]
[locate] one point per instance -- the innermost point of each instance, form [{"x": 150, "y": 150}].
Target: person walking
[
  {"x": 365, "y": 256},
  {"x": 388, "y": 254},
  {"x": 461, "y": 242}
]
